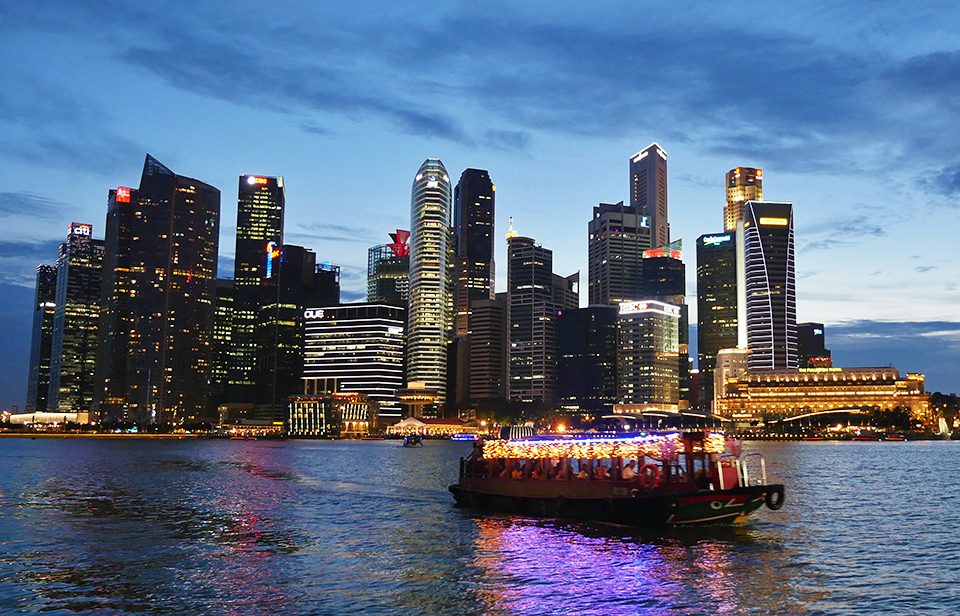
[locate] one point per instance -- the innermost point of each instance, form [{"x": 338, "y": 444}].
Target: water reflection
[{"x": 534, "y": 566}]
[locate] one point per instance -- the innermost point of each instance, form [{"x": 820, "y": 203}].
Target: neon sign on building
[
  {"x": 122, "y": 194},
  {"x": 272, "y": 253}
]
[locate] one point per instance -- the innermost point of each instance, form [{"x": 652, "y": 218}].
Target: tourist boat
[
  {"x": 646, "y": 479},
  {"x": 413, "y": 440},
  {"x": 894, "y": 437},
  {"x": 372, "y": 437}
]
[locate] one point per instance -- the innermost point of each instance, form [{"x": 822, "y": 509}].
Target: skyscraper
[
  {"x": 357, "y": 348},
  {"x": 260, "y": 209},
  {"x": 648, "y": 190},
  {"x": 388, "y": 271},
  {"x": 431, "y": 290},
  {"x": 743, "y": 184},
  {"x": 647, "y": 354},
  {"x": 76, "y": 316},
  {"x": 278, "y": 332},
  {"x": 41, "y": 342},
  {"x": 473, "y": 220},
  {"x": 618, "y": 235},
  {"x": 770, "y": 289},
  {"x": 488, "y": 376},
  {"x": 158, "y": 295},
  {"x": 665, "y": 280},
  {"x": 587, "y": 358},
  {"x": 223, "y": 349},
  {"x": 811, "y": 346},
  {"x": 716, "y": 302}
]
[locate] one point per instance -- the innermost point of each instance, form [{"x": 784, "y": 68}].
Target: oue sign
[{"x": 313, "y": 314}]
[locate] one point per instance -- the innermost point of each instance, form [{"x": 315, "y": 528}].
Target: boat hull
[{"x": 636, "y": 508}]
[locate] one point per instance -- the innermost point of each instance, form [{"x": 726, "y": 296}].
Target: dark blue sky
[{"x": 852, "y": 113}]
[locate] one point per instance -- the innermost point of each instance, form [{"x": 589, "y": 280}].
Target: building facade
[
  {"x": 770, "y": 285},
  {"x": 474, "y": 208},
  {"x": 388, "y": 271},
  {"x": 430, "y": 320},
  {"x": 648, "y": 347},
  {"x": 318, "y": 413},
  {"x": 587, "y": 359},
  {"x": 716, "y": 303},
  {"x": 278, "y": 333},
  {"x": 743, "y": 184},
  {"x": 41, "y": 339},
  {"x": 76, "y": 318},
  {"x": 665, "y": 279},
  {"x": 812, "y": 351},
  {"x": 617, "y": 237},
  {"x": 488, "y": 375},
  {"x": 648, "y": 190},
  {"x": 811, "y": 390},
  {"x": 223, "y": 350},
  {"x": 158, "y": 291},
  {"x": 261, "y": 202},
  {"x": 357, "y": 348}
]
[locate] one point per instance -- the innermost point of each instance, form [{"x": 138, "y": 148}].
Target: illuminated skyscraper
[
  {"x": 716, "y": 302},
  {"x": 278, "y": 335},
  {"x": 260, "y": 209},
  {"x": 388, "y": 271},
  {"x": 647, "y": 354},
  {"x": 488, "y": 351},
  {"x": 770, "y": 289},
  {"x": 158, "y": 296},
  {"x": 743, "y": 184},
  {"x": 44, "y": 307},
  {"x": 473, "y": 220},
  {"x": 648, "y": 190},
  {"x": 665, "y": 280},
  {"x": 535, "y": 296},
  {"x": 431, "y": 284},
  {"x": 618, "y": 235},
  {"x": 223, "y": 349},
  {"x": 811, "y": 346},
  {"x": 75, "y": 321}
]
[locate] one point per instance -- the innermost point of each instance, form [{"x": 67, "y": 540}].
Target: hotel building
[{"x": 648, "y": 348}]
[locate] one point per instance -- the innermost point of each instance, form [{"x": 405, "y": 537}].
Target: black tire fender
[{"x": 774, "y": 498}]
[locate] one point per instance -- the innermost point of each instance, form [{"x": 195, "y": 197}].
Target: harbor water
[{"x": 340, "y": 527}]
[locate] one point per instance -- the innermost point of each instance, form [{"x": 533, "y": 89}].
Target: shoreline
[{"x": 176, "y": 437}]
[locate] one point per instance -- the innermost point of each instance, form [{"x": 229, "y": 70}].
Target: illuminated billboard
[
  {"x": 122, "y": 194},
  {"x": 649, "y": 306}
]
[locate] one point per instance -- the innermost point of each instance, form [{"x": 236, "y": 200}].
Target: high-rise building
[
  {"x": 587, "y": 358},
  {"x": 223, "y": 349},
  {"x": 158, "y": 292},
  {"x": 731, "y": 364},
  {"x": 811, "y": 346},
  {"x": 535, "y": 295},
  {"x": 430, "y": 320},
  {"x": 618, "y": 235},
  {"x": 261, "y": 201},
  {"x": 278, "y": 334},
  {"x": 716, "y": 303},
  {"x": 743, "y": 184},
  {"x": 473, "y": 219},
  {"x": 647, "y": 354},
  {"x": 488, "y": 376},
  {"x": 770, "y": 289},
  {"x": 357, "y": 348},
  {"x": 664, "y": 279},
  {"x": 648, "y": 190},
  {"x": 41, "y": 341},
  {"x": 73, "y": 352},
  {"x": 388, "y": 271}
]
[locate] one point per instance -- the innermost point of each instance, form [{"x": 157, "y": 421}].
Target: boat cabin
[{"x": 666, "y": 460}]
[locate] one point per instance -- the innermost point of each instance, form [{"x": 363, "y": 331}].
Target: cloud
[
  {"x": 922, "y": 269},
  {"x": 843, "y": 232},
  {"x": 26, "y": 202},
  {"x": 944, "y": 182},
  {"x": 927, "y": 347},
  {"x": 507, "y": 139}
]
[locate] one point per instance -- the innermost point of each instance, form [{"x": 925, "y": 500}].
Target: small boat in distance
[
  {"x": 413, "y": 440},
  {"x": 639, "y": 479},
  {"x": 372, "y": 437}
]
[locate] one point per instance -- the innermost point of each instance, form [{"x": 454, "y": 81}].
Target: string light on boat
[{"x": 658, "y": 446}]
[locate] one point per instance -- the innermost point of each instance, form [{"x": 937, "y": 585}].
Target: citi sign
[
  {"x": 81, "y": 229},
  {"x": 313, "y": 314}
]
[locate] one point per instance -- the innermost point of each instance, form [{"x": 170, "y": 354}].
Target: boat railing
[
  {"x": 753, "y": 459},
  {"x": 729, "y": 472}
]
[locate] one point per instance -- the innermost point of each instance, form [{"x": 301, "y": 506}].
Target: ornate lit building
[{"x": 812, "y": 390}]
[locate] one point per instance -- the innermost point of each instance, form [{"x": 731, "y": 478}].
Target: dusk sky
[{"x": 852, "y": 111}]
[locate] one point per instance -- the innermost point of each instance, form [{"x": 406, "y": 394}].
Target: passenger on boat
[
  {"x": 629, "y": 471},
  {"x": 559, "y": 472},
  {"x": 583, "y": 474},
  {"x": 517, "y": 471},
  {"x": 505, "y": 472},
  {"x": 539, "y": 473},
  {"x": 601, "y": 471}
]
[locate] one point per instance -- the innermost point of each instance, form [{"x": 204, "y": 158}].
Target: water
[{"x": 369, "y": 527}]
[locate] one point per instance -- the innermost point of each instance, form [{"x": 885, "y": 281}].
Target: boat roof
[{"x": 658, "y": 445}]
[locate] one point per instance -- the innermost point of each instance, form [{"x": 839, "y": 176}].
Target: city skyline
[{"x": 861, "y": 230}]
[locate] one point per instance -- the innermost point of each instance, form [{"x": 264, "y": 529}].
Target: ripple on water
[{"x": 361, "y": 527}]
